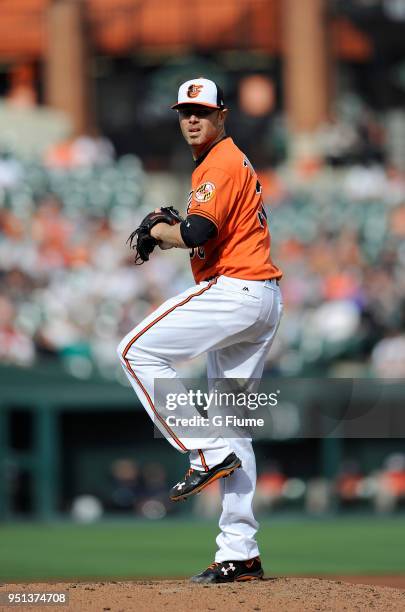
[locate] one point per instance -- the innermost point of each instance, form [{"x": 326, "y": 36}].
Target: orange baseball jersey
[{"x": 225, "y": 190}]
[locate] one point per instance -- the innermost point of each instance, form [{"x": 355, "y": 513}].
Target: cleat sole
[
  {"x": 246, "y": 578},
  {"x": 222, "y": 474}
]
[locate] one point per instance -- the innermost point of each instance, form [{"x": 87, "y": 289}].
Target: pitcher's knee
[
  {"x": 136, "y": 354},
  {"x": 121, "y": 349},
  {"x": 127, "y": 352}
]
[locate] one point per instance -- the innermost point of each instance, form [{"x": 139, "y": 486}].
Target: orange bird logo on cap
[{"x": 194, "y": 90}]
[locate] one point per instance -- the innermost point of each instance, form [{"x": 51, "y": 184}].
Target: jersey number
[
  {"x": 199, "y": 251},
  {"x": 262, "y": 216}
]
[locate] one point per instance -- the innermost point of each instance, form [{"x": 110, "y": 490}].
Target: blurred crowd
[
  {"x": 68, "y": 286},
  {"x": 339, "y": 236},
  {"x": 130, "y": 487},
  {"x": 69, "y": 289},
  {"x": 142, "y": 490},
  {"x": 382, "y": 489}
]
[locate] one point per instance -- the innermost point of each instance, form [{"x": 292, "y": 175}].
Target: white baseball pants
[{"x": 234, "y": 321}]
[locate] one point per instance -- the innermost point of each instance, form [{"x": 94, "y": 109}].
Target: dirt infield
[{"x": 281, "y": 594}]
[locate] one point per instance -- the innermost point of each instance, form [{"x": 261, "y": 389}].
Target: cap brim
[{"x": 180, "y": 104}]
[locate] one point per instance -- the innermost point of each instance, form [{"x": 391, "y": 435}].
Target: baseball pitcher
[{"x": 232, "y": 314}]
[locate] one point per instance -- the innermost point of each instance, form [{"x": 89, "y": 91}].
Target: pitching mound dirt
[{"x": 281, "y": 594}]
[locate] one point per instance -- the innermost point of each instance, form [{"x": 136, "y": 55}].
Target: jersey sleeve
[
  {"x": 212, "y": 197},
  {"x": 196, "y": 230}
]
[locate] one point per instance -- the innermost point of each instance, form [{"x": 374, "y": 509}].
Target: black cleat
[
  {"x": 231, "y": 571},
  {"x": 195, "y": 480}
]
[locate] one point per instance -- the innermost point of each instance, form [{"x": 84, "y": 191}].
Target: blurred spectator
[
  {"x": 269, "y": 487},
  {"x": 388, "y": 357},
  {"x": 391, "y": 484},
  {"x": 274, "y": 489},
  {"x": 337, "y": 141},
  {"x": 81, "y": 152},
  {"x": 155, "y": 503},
  {"x": 10, "y": 170},
  {"x": 348, "y": 483},
  {"x": 127, "y": 490},
  {"x": 51, "y": 232},
  {"x": 15, "y": 346},
  {"x": 155, "y": 481},
  {"x": 346, "y": 143},
  {"x": 142, "y": 491},
  {"x": 208, "y": 505},
  {"x": 319, "y": 496}
]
